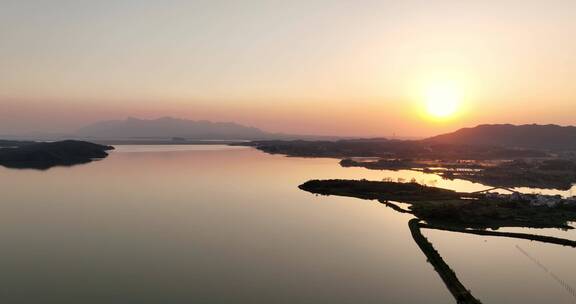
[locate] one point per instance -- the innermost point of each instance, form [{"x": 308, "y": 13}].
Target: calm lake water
[{"x": 217, "y": 224}]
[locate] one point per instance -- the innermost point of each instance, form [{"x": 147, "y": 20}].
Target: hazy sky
[{"x": 323, "y": 67}]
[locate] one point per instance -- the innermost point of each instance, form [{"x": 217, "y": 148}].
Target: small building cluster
[{"x": 536, "y": 200}]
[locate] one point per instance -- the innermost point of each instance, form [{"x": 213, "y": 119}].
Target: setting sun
[{"x": 442, "y": 100}]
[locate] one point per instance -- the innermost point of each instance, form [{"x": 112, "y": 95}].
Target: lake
[{"x": 219, "y": 224}]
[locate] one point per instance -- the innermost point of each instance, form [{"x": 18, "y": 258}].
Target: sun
[{"x": 442, "y": 100}]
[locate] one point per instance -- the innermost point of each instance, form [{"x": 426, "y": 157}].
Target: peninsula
[
  {"x": 469, "y": 213},
  {"x": 447, "y": 208}
]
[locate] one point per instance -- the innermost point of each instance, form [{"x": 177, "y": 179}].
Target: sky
[{"x": 352, "y": 68}]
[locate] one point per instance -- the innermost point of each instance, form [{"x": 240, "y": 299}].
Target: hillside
[{"x": 546, "y": 137}]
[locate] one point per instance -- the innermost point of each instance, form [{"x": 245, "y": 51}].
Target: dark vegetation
[
  {"x": 407, "y": 164},
  {"x": 384, "y": 148},
  {"x": 534, "y": 173},
  {"x": 365, "y": 189},
  {"x": 32, "y": 155},
  {"x": 538, "y": 156},
  {"x": 551, "y": 173},
  {"x": 449, "y": 208},
  {"x": 452, "y": 211},
  {"x": 383, "y": 164}
]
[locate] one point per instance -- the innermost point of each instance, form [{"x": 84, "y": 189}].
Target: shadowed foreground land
[
  {"x": 450, "y": 208},
  {"x": 455, "y": 212},
  {"x": 385, "y": 148}
]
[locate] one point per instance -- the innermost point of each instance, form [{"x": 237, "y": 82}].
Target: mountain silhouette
[
  {"x": 168, "y": 127},
  {"x": 543, "y": 137}
]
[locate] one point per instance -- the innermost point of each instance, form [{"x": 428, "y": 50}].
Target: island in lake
[{"x": 44, "y": 155}]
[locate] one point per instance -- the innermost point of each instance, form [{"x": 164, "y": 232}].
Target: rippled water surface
[{"x": 216, "y": 224}]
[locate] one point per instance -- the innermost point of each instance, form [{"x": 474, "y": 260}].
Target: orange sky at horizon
[
  {"x": 301, "y": 67},
  {"x": 349, "y": 119}
]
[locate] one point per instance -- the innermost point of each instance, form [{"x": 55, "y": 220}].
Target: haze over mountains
[
  {"x": 547, "y": 137},
  {"x": 168, "y": 127},
  {"x": 541, "y": 137}
]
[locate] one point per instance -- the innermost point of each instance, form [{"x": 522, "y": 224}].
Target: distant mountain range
[
  {"x": 179, "y": 129},
  {"x": 170, "y": 130},
  {"x": 169, "y": 127},
  {"x": 542, "y": 137}
]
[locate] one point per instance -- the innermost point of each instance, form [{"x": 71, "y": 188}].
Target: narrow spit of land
[
  {"x": 448, "y": 276},
  {"x": 515, "y": 235}
]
